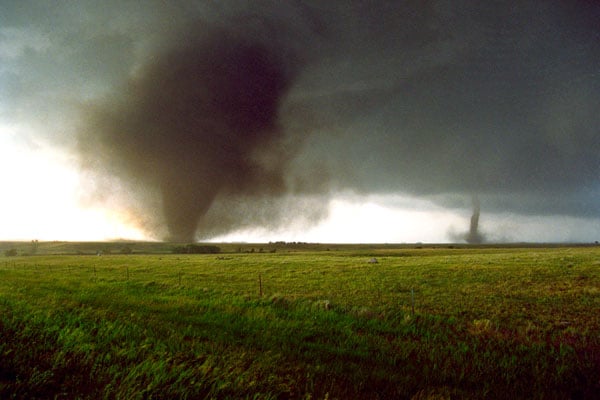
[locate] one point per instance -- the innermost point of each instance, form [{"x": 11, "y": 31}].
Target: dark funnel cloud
[{"x": 200, "y": 120}]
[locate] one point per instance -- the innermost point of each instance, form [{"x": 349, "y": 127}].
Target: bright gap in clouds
[
  {"x": 40, "y": 193},
  {"x": 372, "y": 221},
  {"x": 366, "y": 219}
]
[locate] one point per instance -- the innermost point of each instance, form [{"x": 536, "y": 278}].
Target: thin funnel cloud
[{"x": 474, "y": 236}]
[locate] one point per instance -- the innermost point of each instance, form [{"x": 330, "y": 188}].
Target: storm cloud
[{"x": 205, "y": 118}]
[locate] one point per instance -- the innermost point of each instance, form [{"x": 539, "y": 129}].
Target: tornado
[
  {"x": 193, "y": 123},
  {"x": 474, "y": 236}
]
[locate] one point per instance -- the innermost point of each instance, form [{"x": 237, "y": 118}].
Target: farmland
[{"x": 301, "y": 322}]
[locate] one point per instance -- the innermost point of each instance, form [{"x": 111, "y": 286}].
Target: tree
[
  {"x": 34, "y": 246},
  {"x": 126, "y": 249},
  {"x": 10, "y": 252}
]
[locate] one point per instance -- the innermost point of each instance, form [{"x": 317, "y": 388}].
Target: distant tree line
[
  {"x": 284, "y": 243},
  {"x": 197, "y": 249}
]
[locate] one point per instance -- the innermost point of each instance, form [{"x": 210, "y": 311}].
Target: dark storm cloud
[
  {"x": 499, "y": 101},
  {"x": 216, "y": 116}
]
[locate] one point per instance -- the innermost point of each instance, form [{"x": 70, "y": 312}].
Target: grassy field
[{"x": 421, "y": 323}]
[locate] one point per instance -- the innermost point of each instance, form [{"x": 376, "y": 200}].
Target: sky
[{"x": 340, "y": 121}]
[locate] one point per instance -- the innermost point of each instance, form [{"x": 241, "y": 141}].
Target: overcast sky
[{"x": 332, "y": 121}]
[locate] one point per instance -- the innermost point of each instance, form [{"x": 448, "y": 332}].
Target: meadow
[{"x": 302, "y": 322}]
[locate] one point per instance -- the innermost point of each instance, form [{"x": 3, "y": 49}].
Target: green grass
[{"x": 487, "y": 323}]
